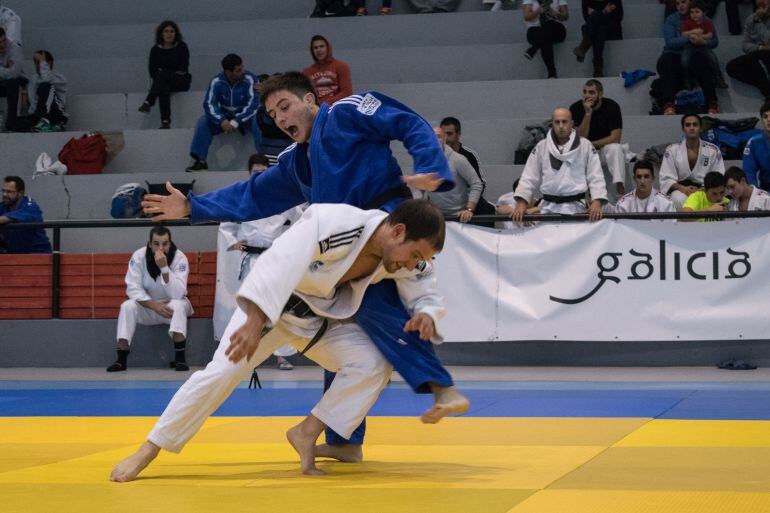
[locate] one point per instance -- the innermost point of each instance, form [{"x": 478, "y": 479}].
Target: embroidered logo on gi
[
  {"x": 315, "y": 265},
  {"x": 369, "y": 105},
  {"x": 401, "y": 342},
  {"x": 705, "y": 161}
]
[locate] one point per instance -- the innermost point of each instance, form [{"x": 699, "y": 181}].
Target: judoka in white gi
[
  {"x": 644, "y": 198},
  {"x": 327, "y": 260},
  {"x": 563, "y": 167},
  {"x": 686, "y": 163},
  {"x": 156, "y": 286},
  {"x": 744, "y": 196}
]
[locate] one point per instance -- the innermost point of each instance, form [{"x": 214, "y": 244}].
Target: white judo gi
[
  {"x": 308, "y": 260},
  {"x": 233, "y": 265},
  {"x": 569, "y": 170},
  {"x": 675, "y": 167},
  {"x": 759, "y": 200},
  {"x": 655, "y": 202},
  {"x": 140, "y": 286}
]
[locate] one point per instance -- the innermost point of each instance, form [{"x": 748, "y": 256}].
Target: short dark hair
[
  {"x": 231, "y": 61},
  {"x": 593, "y": 82},
  {"x": 295, "y": 82},
  {"x": 644, "y": 164},
  {"x": 47, "y": 56},
  {"x": 698, "y": 4},
  {"x": 735, "y": 173},
  {"x": 422, "y": 220},
  {"x": 764, "y": 108},
  {"x": 714, "y": 179},
  {"x": 449, "y": 120},
  {"x": 258, "y": 158},
  {"x": 160, "y": 231},
  {"x": 159, "y": 32},
  {"x": 693, "y": 115},
  {"x": 17, "y": 181}
]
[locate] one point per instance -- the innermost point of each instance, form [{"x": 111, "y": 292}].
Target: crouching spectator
[
  {"x": 156, "y": 285},
  {"x": 753, "y": 68},
  {"x": 603, "y": 21},
  {"x": 745, "y": 196},
  {"x": 18, "y": 208},
  {"x": 711, "y": 199},
  {"x": 47, "y": 94}
]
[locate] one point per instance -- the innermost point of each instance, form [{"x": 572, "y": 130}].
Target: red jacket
[{"x": 330, "y": 77}]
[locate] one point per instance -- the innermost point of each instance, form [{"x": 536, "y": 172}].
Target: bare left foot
[
  {"x": 305, "y": 447},
  {"x": 346, "y": 453},
  {"x": 448, "y": 402},
  {"x": 129, "y": 468}
]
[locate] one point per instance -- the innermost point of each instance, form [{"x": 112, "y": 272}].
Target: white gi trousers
[
  {"x": 362, "y": 372},
  {"x": 572, "y": 207},
  {"x": 613, "y": 159},
  {"x": 132, "y": 313}
]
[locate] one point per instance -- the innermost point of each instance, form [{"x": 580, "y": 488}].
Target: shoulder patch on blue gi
[
  {"x": 340, "y": 239},
  {"x": 369, "y": 105}
]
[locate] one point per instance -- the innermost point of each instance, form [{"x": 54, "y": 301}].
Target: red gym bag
[{"x": 85, "y": 155}]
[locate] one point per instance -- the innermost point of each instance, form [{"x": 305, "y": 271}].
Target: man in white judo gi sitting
[
  {"x": 562, "y": 167},
  {"x": 156, "y": 286},
  {"x": 308, "y": 285},
  {"x": 644, "y": 198}
]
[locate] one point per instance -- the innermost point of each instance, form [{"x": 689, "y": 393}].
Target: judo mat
[{"x": 524, "y": 447}]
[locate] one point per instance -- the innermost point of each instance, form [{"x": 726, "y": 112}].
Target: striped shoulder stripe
[{"x": 340, "y": 239}]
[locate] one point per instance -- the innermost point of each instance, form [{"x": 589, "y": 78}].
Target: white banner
[{"x": 607, "y": 281}]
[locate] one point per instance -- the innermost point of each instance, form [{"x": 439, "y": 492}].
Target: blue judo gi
[{"x": 349, "y": 161}]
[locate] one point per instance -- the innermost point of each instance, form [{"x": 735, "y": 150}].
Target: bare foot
[
  {"x": 305, "y": 447},
  {"x": 127, "y": 469},
  {"x": 448, "y": 402},
  {"x": 346, "y": 453}
]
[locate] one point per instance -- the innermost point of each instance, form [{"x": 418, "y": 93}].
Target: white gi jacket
[
  {"x": 655, "y": 202},
  {"x": 675, "y": 167},
  {"x": 141, "y": 287},
  {"x": 759, "y": 200},
  {"x": 579, "y": 169},
  {"x": 311, "y": 257}
]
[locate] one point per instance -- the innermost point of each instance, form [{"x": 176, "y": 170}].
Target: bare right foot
[
  {"x": 305, "y": 446},
  {"x": 127, "y": 469},
  {"x": 448, "y": 402},
  {"x": 346, "y": 453}
]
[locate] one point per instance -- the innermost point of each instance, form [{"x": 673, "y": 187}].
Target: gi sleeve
[
  {"x": 750, "y": 165},
  {"x": 381, "y": 118},
  {"x": 262, "y": 195},
  {"x": 176, "y": 288},
  {"x": 419, "y": 293},
  {"x": 134, "y": 288},
  {"x": 668, "y": 174},
  {"x": 229, "y": 233},
  {"x": 211, "y": 105},
  {"x": 250, "y": 109},
  {"x": 531, "y": 176},
  {"x": 270, "y": 284},
  {"x": 28, "y": 212},
  {"x": 595, "y": 175}
]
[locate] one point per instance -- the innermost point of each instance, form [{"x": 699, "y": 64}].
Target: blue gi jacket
[
  {"x": 350, "y": 162},
  {"x": 756, "y": 161},
  {"x": 24, "y": 240},
  {"x": 238, "y": 101}
]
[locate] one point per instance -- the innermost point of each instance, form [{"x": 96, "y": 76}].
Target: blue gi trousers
[
  {"x": 205, "y": 132},
  {"x": 382, "y": 316}
]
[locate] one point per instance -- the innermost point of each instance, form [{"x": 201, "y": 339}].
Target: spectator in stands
[
  {"x": 685, "y": 164},
  {"x": 18, "y": 208},
  {"x": 644, "y": 198},
  {"x": 429, "y": 6},
  {"x": 169, "y": 70},
  {"x": 756, "y": 155},
  {"x": 361, "y": 7},
  {"x": 600, "y": 120},
  {"x": 673, "y": 76},
  {"x": 47, "y": 94},
  {"x": 733, "y": 15},
  {"x": 563, "y": 167},
  {"x": 11, "y": 23},
  {"x": 274, "y": 140},
  {"x": 329, "y": 76},
  {"x": 231, "y": 104},
  {"x": 545, "y": 27},
  {"x": 156, "y": 286},
  {"x": 711, "y": 198},
  {"x": 11, "y": 78},
  {"x": 744, "y": 195},
  {"x": 603, "y": 18},
  {"x": 753, "y": 68},
  {"x": 701, "y": 29},
  {"x": 463, "y": 199}
]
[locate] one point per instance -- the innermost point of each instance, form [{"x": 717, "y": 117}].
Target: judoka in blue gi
[{"x": 341, "y": 155}]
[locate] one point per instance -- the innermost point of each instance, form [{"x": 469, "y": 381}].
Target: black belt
[
  {"x": 689, "y": 183},
  {"x": 254, "y": 250},
  {"x": 564, "y": 199},
  {"x": 402, "y": 191}
]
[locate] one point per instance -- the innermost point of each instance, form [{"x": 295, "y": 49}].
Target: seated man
[
  {"x": 686, "y": 163},
  {"x": 563, "y": 167},
  {"x": 18, "y": 208},
  {"x": 745, "y": 197},
  {"x": 309, "y": 285},
  {"x": 756, "y": 154},
  {"x": 645, "y": 198},
  {"x": 599, "y": 120},
  {"x": 506, "y": 204},
  {"x": 11, "y": 78},
  {"x": 711, "y": 199},
  {"x": 231, "y": 104},
  {"x": 156, "y": 286},
  {"x": 47, "y": 94}
]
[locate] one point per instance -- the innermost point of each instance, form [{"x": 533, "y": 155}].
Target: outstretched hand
[
  {"x": 423, "y": 181},
  {"x": 174, "y": 206},
  {"x": 422, "y": 323}
]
